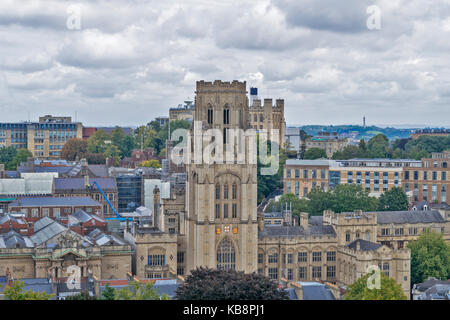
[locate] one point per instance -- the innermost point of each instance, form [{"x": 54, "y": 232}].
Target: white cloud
[{"x": 132, "y": 60}]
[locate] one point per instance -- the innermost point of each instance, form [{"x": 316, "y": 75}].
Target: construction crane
[{"x": 118, "y": 217}]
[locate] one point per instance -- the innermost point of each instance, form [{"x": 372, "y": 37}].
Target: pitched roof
[
  {"x": 47, "y": 233},
  {"x": 364, "y": 245},
  {"x": 316, "y": 291},
  {"x": 99, "y": 170},
  {"x": 291, "y": 231},
  {"x": 414, "y": 216},
  {"x": 430, "y": 282},
  {"x": 42, "y": 223},
  {"x": 78, "y": 183},
  {"x": 54, "y": 202}
]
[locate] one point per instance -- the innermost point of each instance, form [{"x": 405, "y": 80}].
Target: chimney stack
[
  {"x": 86, "y": 181},
  {"x": 304, "y": 220},
  {"x": 358, "y": 245},
  {"x": 156, "y": 199}
]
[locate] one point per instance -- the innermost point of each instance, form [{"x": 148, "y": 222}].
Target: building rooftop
[
  {"x": 54, "y": 202},
  {"x": 364, "y": 245},
  {"x": 316, "y": 291},
  {"x": 318, "y": 162},
  {"x": 78, "y": 183},
  {"x": 414, "y": 216},
  {"x": 291, "y": 231},
  {"x": 429, "y": 283}
]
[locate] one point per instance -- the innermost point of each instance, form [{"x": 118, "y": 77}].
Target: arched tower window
[
  {"x": 225, "y": 191},
  {"x": 210, "y": 116},
  {"x": 226, "y": 255},
  {"x": 226, "y": 115},
  {"x": 217, "y": 192}
]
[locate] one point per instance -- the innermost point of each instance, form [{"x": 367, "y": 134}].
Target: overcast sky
[{"x": 132, "y": 60}]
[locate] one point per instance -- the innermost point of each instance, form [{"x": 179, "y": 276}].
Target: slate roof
[
  {"x": 52, "y": 169},
  {"x": 437, "y": 292},
  {"x": 364, "y": 245},
  {"x": 414, "y": 216},
  {"x": 6, "y": 218},
  {"x": 430, "y": 282},
  {"x": 316, "y": 291},
  {"x": 78, "y": 183},
  {"x": 99, "y": 170},
  {"x": 315, "y": 220},
  {"x": 420, "y": 205},
  {"x": 12, "y": 239},
  {"x": 54, "y": 202},
  {"x": 442, "y": 205},
  {"x": 47, "y": 233},
  {"x": 81, "y": 216},
  {"x": 42, "y": 223},
  {"x": 34, "y": 284},
  {"x": 291, "y": 231}
]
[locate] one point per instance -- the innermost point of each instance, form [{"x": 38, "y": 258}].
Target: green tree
[
  {"x": 16, "y": 292},
  {"x": 21, "y": 156},
  {"x": 108, "y": 293},
  {"x": 346, "y": 197},
  {"x": 298, "y": 205},
  {"x": 315, "y": 153},
  {"x": 210, "y": 284},
  {"x": 123, "y": 142},
  {"x": 97, "y": 142},
  {"x": 95, "y": 158},
  {"x": 378, "y": 146},
  {"x": 348, "y": 152},
  {"x": 139, "y": 291},
  {"x": 269, "y": 183},
  {"x": 430, "y": 257},
  {"x": 393, "y": 200},
  {"x": 83, "y": 295},
  {"x": 362, "y": 146},
  {"x": 389, "y": 289},
  {"x": 7, "y": 156},
  {"x": 74, "y": 148}
]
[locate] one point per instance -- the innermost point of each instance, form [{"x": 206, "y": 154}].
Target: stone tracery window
[{"x": 226, "y": 255}]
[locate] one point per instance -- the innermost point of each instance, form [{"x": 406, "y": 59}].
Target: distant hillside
[{"x": 360, "y": 131}]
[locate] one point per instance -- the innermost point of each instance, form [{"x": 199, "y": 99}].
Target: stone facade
[{"x": 268, "y": 116}]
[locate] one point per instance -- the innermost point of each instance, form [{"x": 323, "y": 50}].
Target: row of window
[
  {"x": 306, "y": 174},
  {"x": 303, "y": 273},
  {"x": 234, "y": 211},
  {"x": 301, "y": 257},
  {"x": 411, "y": 231},
  {"x": 434, "y": 175},
  {"x": 225, "y": 192},
  {"x": 434, "y": 192}
]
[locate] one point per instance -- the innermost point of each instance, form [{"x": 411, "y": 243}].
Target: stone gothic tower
[{"x": 221, "y": 198}]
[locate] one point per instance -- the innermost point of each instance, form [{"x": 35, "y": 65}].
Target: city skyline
[{"x": 125, "y": 63}]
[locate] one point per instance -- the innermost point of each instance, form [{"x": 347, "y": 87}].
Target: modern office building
[
  {"x": 44, "y": 139},
  {"x": 431, "y": 180},
  {"x": 374, "y": 175}
]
